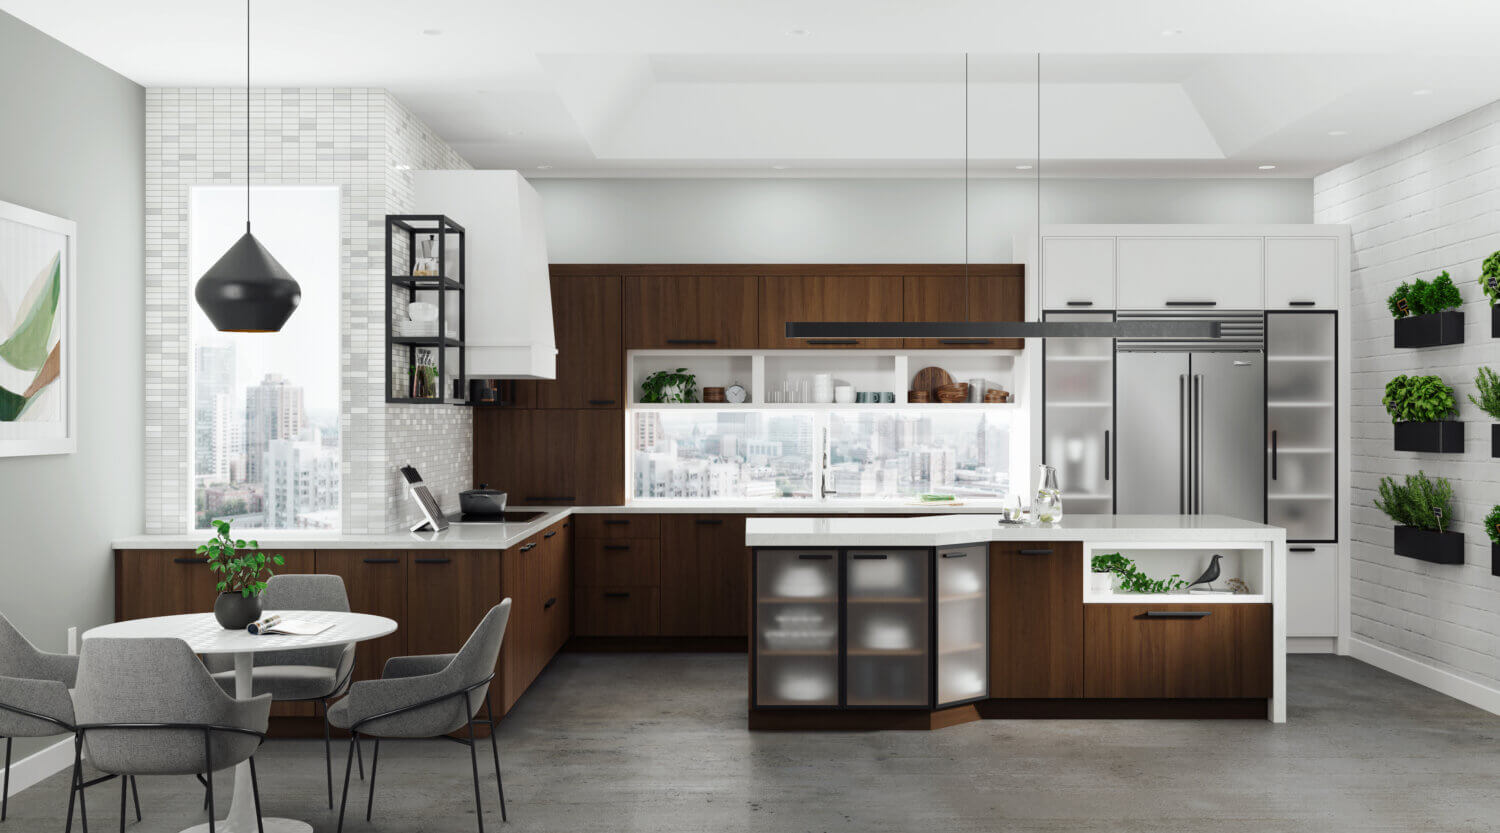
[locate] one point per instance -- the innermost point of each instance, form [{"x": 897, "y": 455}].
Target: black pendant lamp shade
[{"x": 247, "y": 291}]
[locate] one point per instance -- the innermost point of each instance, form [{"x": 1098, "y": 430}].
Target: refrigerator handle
[
  {"x": 1273, "y": 454},
  {"x": 1198, "y": 451},
  {"x": 1106, "y": 455},
  {"x": 1182, "y": 452}
]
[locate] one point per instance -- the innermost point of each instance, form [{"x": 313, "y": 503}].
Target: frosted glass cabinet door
[
  {"x": 797, "y": 628},
  {"x": 1079, "y": 379},
  {"x": 1301, "y": 424},
  {"x": 963, "y": 623},
  {"x": 888, "y": 656}
]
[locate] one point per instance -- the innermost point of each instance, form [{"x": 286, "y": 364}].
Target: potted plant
[
  {"x": 241, "y": 576},
  {"x": 1489, "y": 402},
  {"x": 1102, "y": 570},
  {"x": 1489, "y": 283},
  {"x": 1492, "y": 527},
  {"x": 670, "y": 386},
  {"x": 1427, "y": 314},
  {"x": 1421, "y": 407},
  {"x": 1132, "y": 580},
  {"x": 1422, "y": 509}
]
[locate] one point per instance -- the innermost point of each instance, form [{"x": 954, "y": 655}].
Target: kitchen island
[{"x": 927, "y": 622}]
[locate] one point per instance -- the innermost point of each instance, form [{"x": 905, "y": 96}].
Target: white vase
[{"x": 1101, "y": 584}]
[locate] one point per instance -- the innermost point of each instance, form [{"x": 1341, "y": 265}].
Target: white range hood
[{"x": 508, "y": 303}]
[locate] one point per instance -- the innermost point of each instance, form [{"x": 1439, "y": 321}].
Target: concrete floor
[{"x": 657, "y": 743}]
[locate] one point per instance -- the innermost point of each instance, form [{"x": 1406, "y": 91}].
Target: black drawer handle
[
  {"x": 815, "y": 556},
  {"x": 710, "y": 522},
  {"x": 963, "y": 341},
  {"x": 617, "y": 546},
  {"x": 382, "y": 561},
  {"x": 617, "y": 595},
  {"x": 550, "y": 499},
  {"x": 955, "y": 555},
  {"x": 549, "y": 603},
  {"x": 528, "y": 548},
  {"x": 567, "y": 524},
  {"x": 616, "y": 522},
  {"x": 692, "y": 341},
  {"x": 1080, "y": 303},
  {"x": 1035, "y": 552},
  {"x": 434, "y": 561},
  {"x": 601, "y": 401},
  {"x": 1301, "y": 303},
  {"x": 549, "y": 533},
  {"x": 869, "y": 556},
  {"x": 1301, "y": 549},
  {"x": 1175, "y": 614},
  {"x": 1192, "y": 303},
  {"x": 189, "y": 560},
  {"x": 833, "y": 341}
]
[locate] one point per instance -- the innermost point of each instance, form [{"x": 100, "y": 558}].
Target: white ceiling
[{"x": 838, "y": 87}]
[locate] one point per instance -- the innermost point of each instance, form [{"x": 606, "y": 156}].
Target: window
[
  {"x": 891, "y": 454},
  {"x": 265, "y": 407},
  {"x": 725, "y": 454}
]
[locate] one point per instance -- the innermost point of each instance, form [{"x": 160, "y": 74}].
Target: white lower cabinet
[{"x": 1312, "y": 590}]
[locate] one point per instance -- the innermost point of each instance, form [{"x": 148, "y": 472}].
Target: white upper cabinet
[
  {"x": 1078, "y": 273},
  {"x": 1302, "y": 272},
  {"x": 1190, "y": 272}
]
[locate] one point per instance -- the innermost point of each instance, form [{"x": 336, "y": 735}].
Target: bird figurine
[{"x": 1210, "y": 575}]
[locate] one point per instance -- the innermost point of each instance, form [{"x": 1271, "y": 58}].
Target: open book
[{"x": 274, "y": 624}]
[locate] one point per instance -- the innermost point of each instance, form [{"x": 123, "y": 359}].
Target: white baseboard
[
  {"x": 1312, "y": 644},
  {"x": 1468, "y": 691},
  {"x": 39, "y": 765}
]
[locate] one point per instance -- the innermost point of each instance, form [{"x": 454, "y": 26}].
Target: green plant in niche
[
  {"x": 1423, "y": 298},
  {"x": 1393, "y": 301},
  {"x": 1132, "y": 580},
  {"x": 1489, "y": 278},
  {"x": 1419, "y": 399},
  {"x": 1489, "y": 392},
  {"x": 1419, "y": 502},
  {"x": 1492, "y": 525},
  {"x": 243, "y": 573},
  {"x": 670, "y": 386}
]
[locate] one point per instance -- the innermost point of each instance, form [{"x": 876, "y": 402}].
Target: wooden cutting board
[{"x": 930, "y": 379}]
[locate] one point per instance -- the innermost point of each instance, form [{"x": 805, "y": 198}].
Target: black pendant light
[{"x": 247, "y": 291}]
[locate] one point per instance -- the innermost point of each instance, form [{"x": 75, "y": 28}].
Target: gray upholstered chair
[
  {"x": 34, "y": 701},
  {"x": 309, "y": 674},
  {"x": 428, "y": 697},
  {"x": 149, "y": 707}
]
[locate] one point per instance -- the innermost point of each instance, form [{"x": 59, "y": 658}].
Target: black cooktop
[{"x": 507, "y": 518}]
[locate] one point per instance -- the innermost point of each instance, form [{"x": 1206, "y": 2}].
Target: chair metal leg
[
  {"x": 474, "y": 762},
  {"x": 204, "y": 782},
  {"x": 348, "y": 767},
  {"x": 489, "y": 714},
  {"x": 374, "y": 765},
  {"x": 208, "y": 760},
  {"x": 83, "y": 805},
  {"x": 327, "y": 753},
  {"x": 260, "y": 825},
  {"x": 124, "y": 783},
  {"x": 73, "y": 788},
  {"x": 5, "y": 795},
  {"x": 359, "y": 751},
  {"x": 135, "y": 794}
]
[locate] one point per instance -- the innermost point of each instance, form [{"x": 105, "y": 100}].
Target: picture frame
[{"x": 38, "y": 333}]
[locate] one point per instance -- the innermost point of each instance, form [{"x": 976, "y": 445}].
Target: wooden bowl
[
  {"x": 918, "y": 396},
  {"x": 995, "y": 396},
  {"x": 713, "y": 395},
  {"x": 950, "y": 394}
]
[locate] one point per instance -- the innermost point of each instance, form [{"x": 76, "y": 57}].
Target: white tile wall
[
  {"x": 1429, "y": 203},
  {"x": 354, "y": 138}
]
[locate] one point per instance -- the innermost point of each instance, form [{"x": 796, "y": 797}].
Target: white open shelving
[{"x": 1188, "y": 560}]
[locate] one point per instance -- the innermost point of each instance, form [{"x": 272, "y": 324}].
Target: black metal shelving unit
[{"x": 449, "y": 293}]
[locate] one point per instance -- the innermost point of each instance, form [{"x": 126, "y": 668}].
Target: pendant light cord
[
  {"x": 966, "y": 168},
  {"x": 1037, "y": 255},
  {"x": 247, "y": 116}
]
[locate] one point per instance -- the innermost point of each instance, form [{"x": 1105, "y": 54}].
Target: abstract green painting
[{"x": 36, "y": 338}]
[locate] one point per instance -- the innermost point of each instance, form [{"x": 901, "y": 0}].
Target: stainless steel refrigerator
[{"x": 1190, "y": 421}]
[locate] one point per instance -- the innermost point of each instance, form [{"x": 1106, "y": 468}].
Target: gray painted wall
[
  {"x": 74, "y": 146},
  {"x": 872, "y": 220}
]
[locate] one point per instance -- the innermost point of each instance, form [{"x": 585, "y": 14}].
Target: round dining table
[{"x": 204, "y": 635}]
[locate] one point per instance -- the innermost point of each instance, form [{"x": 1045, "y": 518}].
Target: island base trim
[{"x": 803, "y": 720}]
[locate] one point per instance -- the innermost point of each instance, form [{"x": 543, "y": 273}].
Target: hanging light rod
[{"x": 1003, "y": 329}]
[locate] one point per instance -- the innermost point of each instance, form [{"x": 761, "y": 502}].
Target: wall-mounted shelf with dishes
[{"x": 424, "y": 310}]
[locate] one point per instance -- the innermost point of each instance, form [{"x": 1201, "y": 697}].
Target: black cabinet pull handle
[
  {"x": 549, "y": 533},
  {"x": 1080, "y": 303},
  {"x": 1273, "y": 455},
  {"x": 528, "y": 548},
  {"x": 955, "y": 555},
  {"x": 692, "y": 341},
  {"x": 833, "y": 341},
  {"x": 1192, "y": 303},
  {"x": 963, "y": 341},
  {"x": 710, "y": 521},
  {"x": 382, "y": 561},
  {"x": 549, "y": 499},
  {"x": 1301, "y": 549},
  {"x": 617, "y": 595},
  {"x": 188, "y": 560},
  {"x": 815, "y": 556},
  {"x": 434, "y": 560},
  {"x": 1301, "y": 303},
  {"x": 1106, "y": 454},
  {"x": 617, "y": 546},
  {"x": 616, "y": 522},
  {"x": 567, "y": 524},
  {"x": 549, "y": 603},
  {"x": 601, "y": 401},
  {"x": 1175, "y": 614},
  {"x": 869, "y": 556},
  {"x": 1035, "y": 552}
]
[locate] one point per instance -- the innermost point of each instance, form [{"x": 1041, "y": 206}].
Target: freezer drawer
[{"x": 963, "y": 628}]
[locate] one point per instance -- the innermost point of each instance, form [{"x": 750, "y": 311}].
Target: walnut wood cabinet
[
  {"x": 705, "y": 576},
  {"x": 828, "y": 297},
  {"x": 675, "y": 311},
  {"x": 1036, "y": 619},
  {"x": 376, "y": 582},
  {"x": 987, "y": 293},
  {"x": 558, "y": 458},
  {"x": 586, "y": 313},
  {"x": 1178, "y": 650}
]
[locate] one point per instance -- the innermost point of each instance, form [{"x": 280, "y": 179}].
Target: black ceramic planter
[
  {"x": 1495, "y": 321},
  {"x": 1495, "y": 559},
  {"x": 1495, "y": 440},
  {"x": 1431, "y": 330},
  {"x": 1426, "y": 545},
  {"x": 235, "y": 611},
  {"x": 1446, "y": 437}
]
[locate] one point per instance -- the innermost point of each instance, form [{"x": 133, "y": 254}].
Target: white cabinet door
[
  {"x": 1190, "y": 272},
  {"x": 1078, "y": 273},
  {"x": 1312, "y": 590},
  {"x": 1302, "y": 272}
]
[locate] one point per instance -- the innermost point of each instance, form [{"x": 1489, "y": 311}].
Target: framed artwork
[{"x": 38, "y": 345}]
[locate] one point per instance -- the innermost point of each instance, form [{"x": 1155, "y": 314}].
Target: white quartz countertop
[{"x": 950, "y": 530}]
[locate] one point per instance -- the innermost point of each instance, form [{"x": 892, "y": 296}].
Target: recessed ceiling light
[
  {"x": 1170, "y": 33},
  {"x": 545, "y": 166},
  {"x": 1023, "y": 167},
  {"x": 1338, "y": 133},
  {"x": 779, "y": 167},
  {"x": 1423, "y": 91},
  {"x": 514, "y": 131},
  {"x": 402, "y": 167},
  {"x": 797, "y": 33},
  {"x": 1268, "y": 167},
  {"x": 432, "y": 31}
]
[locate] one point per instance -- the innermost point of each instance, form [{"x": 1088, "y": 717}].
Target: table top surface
[{"x": 204, "y": 635}]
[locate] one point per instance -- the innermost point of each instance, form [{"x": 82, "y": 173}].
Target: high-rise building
[
  {"x": 648, "y": 430},
  {"x": 301, "y": 478},
  {"x": 273, "y": 411},
  {"x": 214, "y": 377}
]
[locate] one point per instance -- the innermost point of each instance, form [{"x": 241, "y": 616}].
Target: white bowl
[{"x": 422, "y": 311}]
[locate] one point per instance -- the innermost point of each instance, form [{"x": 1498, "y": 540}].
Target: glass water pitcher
[{"x": 1047, "y": 508}]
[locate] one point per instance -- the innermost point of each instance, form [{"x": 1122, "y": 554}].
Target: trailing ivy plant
[
  {"x": 1489, "y": 278},
  {"x": 670, "y": 386},
  {"x": 1492, "y": 524},
  {"x": 243, "y": 573},
  {"x": 1132, "y": 580},
  {"x": 1489, "y": 392},
  {"x": 1422, "y": 298},
  {"x": 1420, "y": 502},
  {"x": 1419, "y": 399}
]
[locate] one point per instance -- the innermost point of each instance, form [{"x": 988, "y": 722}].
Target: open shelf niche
[{"x": 1250, "y": 564}]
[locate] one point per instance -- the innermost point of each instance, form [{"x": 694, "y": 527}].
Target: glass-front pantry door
[
  {"x": 1078, "y": 415},
  {"x": 1301, "y": 424}
]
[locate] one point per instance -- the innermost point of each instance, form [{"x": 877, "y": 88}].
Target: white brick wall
[
  {"x": 353, "y": 138},
  {"x": 1429, "y": 203}
]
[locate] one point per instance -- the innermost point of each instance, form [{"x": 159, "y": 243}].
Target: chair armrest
[
  {"x": 43, "y": 702},
  {"x": 398, "y": 667},
  {"x": 253, "y": 714},
  {"x": 60, "y": 667},
  {"x": 372, "y": 698}
]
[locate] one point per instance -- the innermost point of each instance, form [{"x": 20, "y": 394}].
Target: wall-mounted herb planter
[
  {"x": 1446, "y": 437},
  {"x": 1427, "y": 545},
  {"x": 1495, "y": 559},
  {"x": 1495, "y": 440},
  {"x": 1495, "y": 321},
  {"x": 1431, "y": 330}
]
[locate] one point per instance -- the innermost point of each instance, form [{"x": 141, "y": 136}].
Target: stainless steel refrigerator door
[
  {"x": 1229, "y": 466},
  {"x": 1151, "y": 419}
]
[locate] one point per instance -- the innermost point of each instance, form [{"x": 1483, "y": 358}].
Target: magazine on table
[{"x": 274, "y": 625}]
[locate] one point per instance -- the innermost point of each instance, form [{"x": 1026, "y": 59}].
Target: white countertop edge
[{"x": 953, "y": 531}]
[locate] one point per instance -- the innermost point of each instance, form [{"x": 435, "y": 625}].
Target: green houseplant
[
  {"x": 670, "y": 386},
  {"x": 1423, "y": 298},
  {"x": 1419, "y": 399},
  {"x": 1489, "y": 278},
  {"x": 1492, "y": 525},
  {"x": 1132, "y": 580},
  {"x": 1489, "y": 392},
  {"x": 1420, "y": 502},
  {"x": 241, "y": 575}
]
